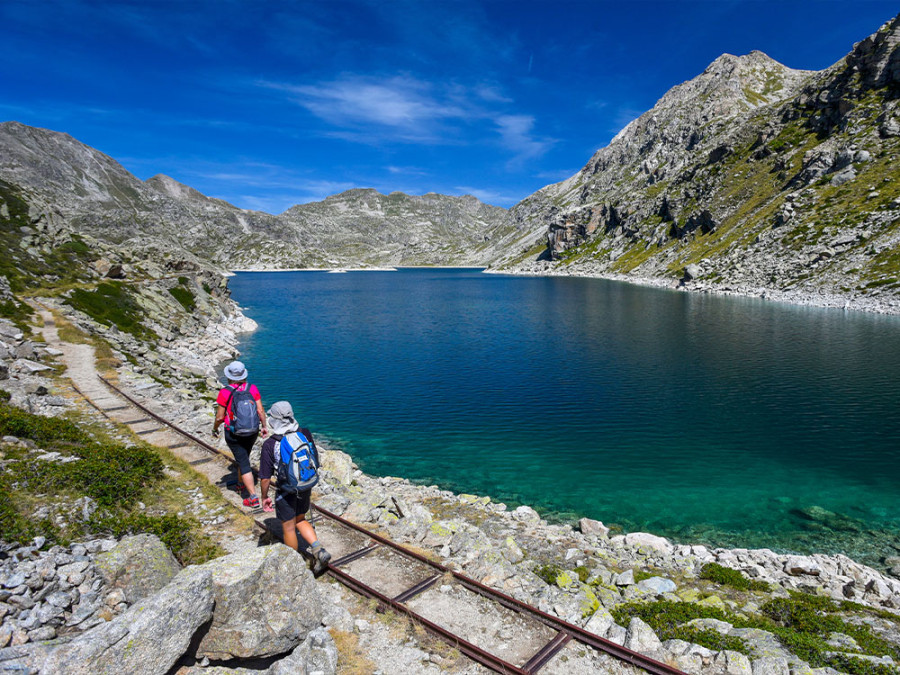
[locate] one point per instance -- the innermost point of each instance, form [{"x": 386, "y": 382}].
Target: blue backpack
[
  {"x": 244, "y": 415},
  {"x": 298, "y": 469}
]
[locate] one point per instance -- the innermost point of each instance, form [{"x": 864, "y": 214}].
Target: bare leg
[
  {"x": 305, "y": 529},
  {"x": 289, "y": 533},
  {"x": 247, "y": 479}
]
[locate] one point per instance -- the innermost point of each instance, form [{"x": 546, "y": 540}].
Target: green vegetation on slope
[
  {"x": 115, "y": 476},
  {"x": 27, "y": 266},
  {"x": 112, "y": 304},
  {"x": 803, "y": 624}
]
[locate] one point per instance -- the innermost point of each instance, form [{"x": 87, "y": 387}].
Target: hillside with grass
[{"x": 750, "y": 176}]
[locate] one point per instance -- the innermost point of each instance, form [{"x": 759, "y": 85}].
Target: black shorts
[
  {"x": 289, "y": 506},
  {"x": 240, "y": 447}
]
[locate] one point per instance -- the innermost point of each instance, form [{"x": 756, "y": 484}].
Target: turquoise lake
[{"x": 707, "y": 419}]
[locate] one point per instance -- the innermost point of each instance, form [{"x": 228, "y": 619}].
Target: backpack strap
[
  {"x": 312, "y": 444},
  {"x": 233, "y": 391}
]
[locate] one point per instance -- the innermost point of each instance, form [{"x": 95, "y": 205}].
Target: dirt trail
[{"x": 79, "y": 359}]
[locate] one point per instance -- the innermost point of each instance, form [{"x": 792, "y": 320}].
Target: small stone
[
  {"x": 626, "y": 578},
  {"x": 14, "y": 580}
]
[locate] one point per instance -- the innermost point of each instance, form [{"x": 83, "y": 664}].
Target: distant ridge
[{"x": 93, "y": 195}]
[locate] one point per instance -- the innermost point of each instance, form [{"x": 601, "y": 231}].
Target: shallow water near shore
[{"x": 718, "y": 420}]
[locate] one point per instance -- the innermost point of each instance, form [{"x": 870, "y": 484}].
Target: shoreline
[
  {"x": 816, "y": 299},
  {"x": 797, "y": 298},
  {"x": 581, "y": 572}
]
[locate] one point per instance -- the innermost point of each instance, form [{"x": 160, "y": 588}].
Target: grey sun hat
[
  {"x": 281, "y": 418},
  {"x": 236, "y": 371}
]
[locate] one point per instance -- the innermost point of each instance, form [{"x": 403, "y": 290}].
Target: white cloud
[
  {"x": 372, "y": 110},
  {"x": 406, "y": 106},
  {"x": 516, "y": 134}
]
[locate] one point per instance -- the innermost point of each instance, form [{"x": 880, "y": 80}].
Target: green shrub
[
  {"x": 112, "y": 305},
  {"x": 13, "y": 527},
  {"x": 184, "y": 297},
  {"x": 803, "y": 622},
  {"x": 583, "y": 573},
  {"x": 729, "y": 577},
  {"x": 42, "y": 430},
  {"x": 548, "y": 573},
  {"x": 108, "y": 473},
  {"x": 180, "y": 535},
  {"x": 666, "y": 617},
  {"x": 5, "y": 396}
]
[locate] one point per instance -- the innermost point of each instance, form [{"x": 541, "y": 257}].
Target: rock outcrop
[
  {"x": 752, "y": 177},
  {"x": 262, "y": 603}
]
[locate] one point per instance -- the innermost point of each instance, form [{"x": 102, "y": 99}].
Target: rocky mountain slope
[
  {"x": 750, "y": 176},
  {"x": 69, "y": 187}
]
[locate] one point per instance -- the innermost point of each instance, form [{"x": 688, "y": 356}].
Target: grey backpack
[{"x": 244, "y": 416}]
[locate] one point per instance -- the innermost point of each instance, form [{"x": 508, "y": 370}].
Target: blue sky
[{"x": 271, "y": 104}]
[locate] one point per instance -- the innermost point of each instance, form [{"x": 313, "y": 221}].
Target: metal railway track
[{"x": 563, "y": 631}]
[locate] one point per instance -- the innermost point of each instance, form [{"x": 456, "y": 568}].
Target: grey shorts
[{"x": 289, "y": 506}]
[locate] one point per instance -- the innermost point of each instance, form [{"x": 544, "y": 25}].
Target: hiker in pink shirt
[{"x": 239, "y": 407}]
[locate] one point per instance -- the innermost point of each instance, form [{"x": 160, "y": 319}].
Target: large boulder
[
  {"x": 267, "y": 602},
  {"x": 148, "y": 638},
  {"x": 140, "y": 565},
  {"x": 649, "y": 542}
]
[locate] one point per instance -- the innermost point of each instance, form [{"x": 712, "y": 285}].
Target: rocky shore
[
  {"x": 876, "y": 304},
  {"x": 580, "y": 572}
]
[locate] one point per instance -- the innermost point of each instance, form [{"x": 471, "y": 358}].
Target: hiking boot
[
  {"x": 252, "y": 502},
  {"x": 320, "y": 561}
]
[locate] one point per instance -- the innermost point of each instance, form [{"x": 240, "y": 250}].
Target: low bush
[
  {"x": 42, "y": 430},
  {"x": 112, "y": 305},
  {"x": 115, "y": 476},
  {"x": 184, "y": 297},
  {"x": 666, "y": 619},
  {"x": 548, "y": 573},
  {"x": 729, "y": 577}
]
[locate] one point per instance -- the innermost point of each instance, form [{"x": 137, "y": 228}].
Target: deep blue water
[{"x": 724, "y": 420}]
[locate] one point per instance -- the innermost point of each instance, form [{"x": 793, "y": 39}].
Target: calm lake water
[{"x": 726, "y": 421}]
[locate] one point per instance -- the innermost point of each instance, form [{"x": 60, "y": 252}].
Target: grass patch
[
  {"x": 352, "y": 658},
  {"x": 801, "y": 622},
  {"x": 183, "y": 294},
  {"x": 114, "y": 475},
  {"x": 112, "y": 305},
  {"x": 729, "y": 577},
  {"x": 104, "y": 358},
  {"x": 666, "y": 619}
]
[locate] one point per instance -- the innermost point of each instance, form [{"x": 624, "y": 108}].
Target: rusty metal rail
[{"x": 564, "y": 631}]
